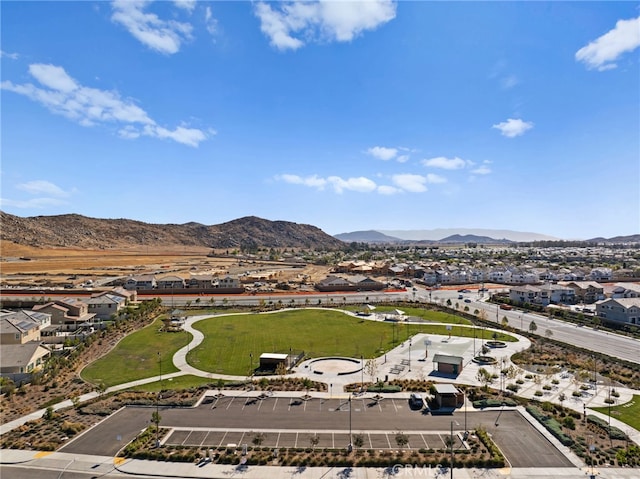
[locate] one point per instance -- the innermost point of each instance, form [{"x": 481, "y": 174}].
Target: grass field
[
  {"x": 628, "y": 413},
  {"x": 230, "y": 341},
  {"x": 181, "y": 382},
  {"x": 136, "y": 356}
]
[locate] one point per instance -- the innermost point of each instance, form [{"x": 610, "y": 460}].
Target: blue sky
[{"x": 344, "y": 115}]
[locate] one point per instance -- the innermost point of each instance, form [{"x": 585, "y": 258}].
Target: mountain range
[
  {"x": 250, "y": 232},
  {"x": 78, "y": 231}
]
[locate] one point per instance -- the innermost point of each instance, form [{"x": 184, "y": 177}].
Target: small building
[
  {"x": 271, "y": 361},
  {"x": 447, "y": 364},
  {"x": 447, "y": 395}
]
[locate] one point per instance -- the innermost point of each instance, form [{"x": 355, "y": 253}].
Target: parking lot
[{"x": 293, "y": 421}]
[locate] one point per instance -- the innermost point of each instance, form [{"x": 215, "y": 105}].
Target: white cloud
[
  {"x": 164, "y": 36},
  {"x": 481, "y": 170},
  {"x": 433, "y": 178},
  {"x": 323, "y": 20},
  {"x": 359, "y": 184},
  {"x": 509, "y": 82},
  {"x": 33, "y": 203},
  {"x": 42, "y": 187},
  {"x": 12, "y": 56},
  {"x": 210, "y": 21},
  {"x": 187, "y": 5},
  {"x": 311, "y": 181},
  {"x": 513, "y": 127},
  {"x": 388, "y": 190},
  {"x": 402, "y": 158},
  {"x": 63, "y": 95},
  {"x": 410, "y": 182},
  {"x": 47, "y": 194},
  {"x": 601, "y": 53},
  {"x": 53, "y": 77},
  {"x": 383, "y": 153},
  {"x": 446, "y": 163}
]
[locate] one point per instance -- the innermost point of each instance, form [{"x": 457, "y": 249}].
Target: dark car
[{"x": 416, "y": 401}]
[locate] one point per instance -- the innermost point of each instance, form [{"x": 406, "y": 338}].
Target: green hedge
[
  {"x": 483, "y": 403},
  {"x": 497, "y": 459},
  {"x": 551, "y": 425},
  {"x": 384, "y": 389},
  {"x": 615, "y": 432}
]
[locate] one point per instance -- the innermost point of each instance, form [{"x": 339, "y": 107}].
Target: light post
[
  {"x": 250, "y": 364},
  {"x": 410, "y": 342},
  {"x": 451, "y": 447},
  {"x": 350, "y": 439},
  {"x": 361, "y": 373},
  {"x": 158, "y": 403}
]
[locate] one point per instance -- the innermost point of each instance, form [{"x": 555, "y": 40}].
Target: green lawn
[
  {"x": 136, "y": 356},
  {"x": 181, "y": 382},
  {"x": 628, "y": 413},
  {"x": 230, "y": 341}
]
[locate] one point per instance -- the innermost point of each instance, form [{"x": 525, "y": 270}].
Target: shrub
[{"x": 551, "y": 425}]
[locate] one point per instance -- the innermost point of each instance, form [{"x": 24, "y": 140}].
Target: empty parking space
[{"x": 290, "y": 422}]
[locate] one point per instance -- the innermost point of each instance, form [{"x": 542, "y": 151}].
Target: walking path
[{"x": 411, "y": 359}]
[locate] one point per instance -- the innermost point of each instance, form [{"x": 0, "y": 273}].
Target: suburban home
[
  {"x": 20, "y": 360},
  {"x": 601, "y": 274},
  {"x": 130, "y": 296},
  {"x": 170, "y": 282},
  {"x": 19, "y": 327},
  {"x": 364, "y": 283},
  {"x": 558, "y": 294},
  {"x": 333, "y": 283},
  {"x": 105, "y": 305},
  {"x": 147, "y": 281},
  {"x": 586, "y": 291},
  {"x": 200, "y": 281},
  {"x": 68, "y": 313},
  {"x": 20, "y": 347},
  {"x": 625, "y": 290},
  {"x": 619, "y": 310},
  {"x": 228, "y": 282}
]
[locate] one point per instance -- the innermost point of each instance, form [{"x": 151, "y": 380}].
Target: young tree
[
  {"x": 358, "y": 440},
  {"x": 533, "y": 327},
  {"x": 371, "y": 368},
  {"x": 505, "y": 321},
  {"x": 401, "y": 439},
  {"x": 484, "y": 377},
  {"x": 258, "y": 439},
  {"x": 314, "y": 440}
]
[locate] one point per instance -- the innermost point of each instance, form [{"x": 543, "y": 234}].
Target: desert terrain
[{"x": 28, "y": 266}]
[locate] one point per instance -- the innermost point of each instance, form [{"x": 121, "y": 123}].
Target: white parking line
[
  {"x": 394, "y": 405},
  {"x": 228, "y": 405},
  {"x": 222, "y": 440},
  {"x": 274, "y": 404}
]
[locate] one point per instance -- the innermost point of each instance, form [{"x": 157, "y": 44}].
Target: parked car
[
  {"x": 416, "y": 401},
  {"x": 467, "y": 300}
]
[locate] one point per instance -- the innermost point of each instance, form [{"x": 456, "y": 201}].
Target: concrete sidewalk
[{"x": 102, "y": 465}]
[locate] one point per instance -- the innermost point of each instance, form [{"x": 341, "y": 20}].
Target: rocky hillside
[{"x": 82, "y": 232}]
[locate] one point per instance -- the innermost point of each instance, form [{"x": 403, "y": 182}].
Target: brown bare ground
[{"x": 55, "y": 265}]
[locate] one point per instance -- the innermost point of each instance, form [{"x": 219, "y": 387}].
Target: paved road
[{"x": 614, "y": 345}]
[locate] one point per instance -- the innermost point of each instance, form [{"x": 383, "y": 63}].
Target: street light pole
[
  {"x": 361, "y": 373},
  {"x": 451, "y": 449},
  {"x": 350, "y": 438},
  {"x": 410, "y": 342}
]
